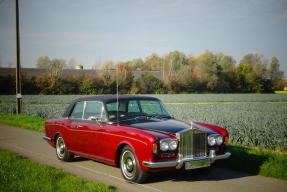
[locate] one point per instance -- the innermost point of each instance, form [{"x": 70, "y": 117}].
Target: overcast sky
[{"x": 93, "y": 31}]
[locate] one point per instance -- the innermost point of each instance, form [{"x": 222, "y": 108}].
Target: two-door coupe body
[{"x": 136, "y": 133}]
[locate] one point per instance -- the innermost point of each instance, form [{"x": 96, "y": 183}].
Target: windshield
[{"x": 131, "y": 109}]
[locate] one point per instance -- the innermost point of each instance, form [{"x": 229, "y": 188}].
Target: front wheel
[
  {"x": 130, "y": 168},
  {"x": 61, "y": 151}
]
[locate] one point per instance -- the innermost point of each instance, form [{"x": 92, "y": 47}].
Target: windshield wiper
[
  {"x": 135, "y": 118},
  {"x": 160, "y": 116},
  {"x": 148, "y": 117}
]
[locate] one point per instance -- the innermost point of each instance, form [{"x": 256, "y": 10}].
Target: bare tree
[
  {"x": 43, "y": 62},
  {"x": 56, "y": 67}
]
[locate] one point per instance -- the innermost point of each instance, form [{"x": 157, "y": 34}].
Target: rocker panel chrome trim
[{"x": 47, "y": 138}]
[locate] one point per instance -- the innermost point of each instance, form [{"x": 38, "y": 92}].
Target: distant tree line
[{"x": 206, "y": 73}]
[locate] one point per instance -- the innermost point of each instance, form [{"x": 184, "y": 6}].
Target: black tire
[
  {"x": 61, "y": 151},
  {"x": 130, "y": 168}
]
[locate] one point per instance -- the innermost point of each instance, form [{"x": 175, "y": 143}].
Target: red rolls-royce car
[{"x": 135, "y": 133}]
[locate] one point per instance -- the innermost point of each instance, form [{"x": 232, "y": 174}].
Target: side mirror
[
  {"x": 92, "y": 118},
  {"x": 97, "y": 119}
]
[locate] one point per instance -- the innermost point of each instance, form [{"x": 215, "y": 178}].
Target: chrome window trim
[
  {"x": 102, "y": 110},
  {"x": 74, "y": 109}
]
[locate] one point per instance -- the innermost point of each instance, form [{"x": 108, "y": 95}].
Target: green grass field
[{"x": 19, "y": 174}]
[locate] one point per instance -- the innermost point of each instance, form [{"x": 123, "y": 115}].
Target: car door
[
  {"x": 85, "y": 129},
  {"x": 91, "y": 124},
  {"x": 73, "y": 133}
]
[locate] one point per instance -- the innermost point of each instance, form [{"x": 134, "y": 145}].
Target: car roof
[
  {"x": 110, "y": 98},
  {"x": 106, "y": 99}
]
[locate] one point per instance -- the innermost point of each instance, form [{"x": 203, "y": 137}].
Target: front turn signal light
[
  {"x": 226, "y": 139},
  {"x": 154, "y": 148}
]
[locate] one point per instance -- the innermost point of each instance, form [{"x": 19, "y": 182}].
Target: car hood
[{"x": 167, "y": 125}]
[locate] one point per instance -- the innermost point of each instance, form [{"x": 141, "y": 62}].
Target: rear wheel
[
  {"x": 61, "y": 151},
  {"x": 130, "y": 168}
]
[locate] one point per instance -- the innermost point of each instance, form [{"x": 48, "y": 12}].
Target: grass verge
[
  {"x": 19, "y": 174},
  {"x": 251, "y": 160},
  {"x": 256, "y": 161},
  {"x": 23, "y": 121}
]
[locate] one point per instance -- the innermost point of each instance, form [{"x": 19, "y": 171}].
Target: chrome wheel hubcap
[
  {"x": 128, "y": 164},
  {"x": 60, "y": 147}
]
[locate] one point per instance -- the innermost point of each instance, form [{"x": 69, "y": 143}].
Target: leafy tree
[
  {"x": 43, "y": 84},
  {"x": 7, "y": 85},
  {"x": 153, "y": 62},
  {"x": 149, "y": 84},
  {"x": 253, "y": 72},
  {"x": 28, "y": 86},
  {"x": 92, "y": 86},
  {"x": 123, "y": 75},
  {"x": 136, "y": 64},
  {"x": 109, "y": 65},
  {"x": 208, "y": 71},
  {"x": 188, "y": 81},
  {"x": 276, "y": 76}
]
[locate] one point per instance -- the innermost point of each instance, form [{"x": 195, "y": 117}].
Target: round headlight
[
  {"x": 219, "y": 140},
  {"x": 173, "y": 145},
  {"x": 164, "y": 146},
  {"x": 211, "y": 140}
]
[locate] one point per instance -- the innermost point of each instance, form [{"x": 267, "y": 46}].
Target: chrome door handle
[{"x": 80, "y": 126}]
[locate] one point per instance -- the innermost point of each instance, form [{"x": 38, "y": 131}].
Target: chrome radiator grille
[{"x": 192, "y": 144}]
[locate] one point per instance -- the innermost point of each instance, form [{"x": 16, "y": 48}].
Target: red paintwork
[
  {"x": 103, "y": 142},
  {"x": 219, "y": 130}
]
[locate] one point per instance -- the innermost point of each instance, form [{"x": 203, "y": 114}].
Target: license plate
[{"x": 197, "y": 164}]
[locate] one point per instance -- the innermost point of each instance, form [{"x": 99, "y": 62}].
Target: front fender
[{"x": 142, "y": 150}]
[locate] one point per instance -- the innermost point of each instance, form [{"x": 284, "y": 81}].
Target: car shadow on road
[
  {"x": 78, "y": 159},
  {"x": 241, "y": 159},
  {"x": 177, "y": 176}
]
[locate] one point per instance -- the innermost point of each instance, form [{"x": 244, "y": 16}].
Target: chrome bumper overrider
[{"x": 178, "y": 163}]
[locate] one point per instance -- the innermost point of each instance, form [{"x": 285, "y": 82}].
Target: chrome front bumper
[{"x": 179, "y": 163}]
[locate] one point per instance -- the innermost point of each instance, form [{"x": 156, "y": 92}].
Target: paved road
[{"x": 30, "y": 144}]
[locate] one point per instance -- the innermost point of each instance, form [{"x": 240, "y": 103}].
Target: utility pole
[{"x": 18, "y": 65}]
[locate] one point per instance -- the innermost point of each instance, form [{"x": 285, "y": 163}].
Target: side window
[
  {"x": 93, "y": 110},
  {"x": 133, "y": 106},
  {"x": 77, "y": 112},
  {"x": 112, "y": 106}
]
